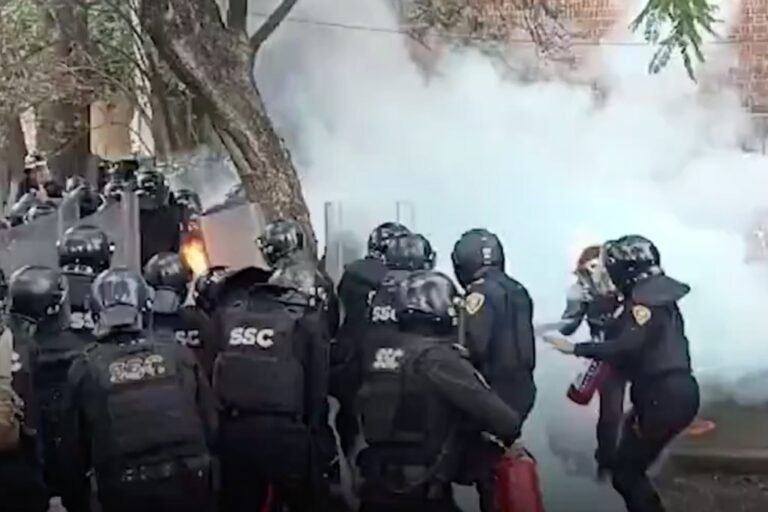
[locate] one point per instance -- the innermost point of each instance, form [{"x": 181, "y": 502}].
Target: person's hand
[{"x": 559, "y": 343}]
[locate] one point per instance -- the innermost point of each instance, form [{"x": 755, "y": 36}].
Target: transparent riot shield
[
  {"x": 120, "y": 221},
  {"x": 68, "y": 213},
  {"x": 348, "y": 224},
  {"x": 230, "y": 234},
  {"x": 30, "y": 244}
]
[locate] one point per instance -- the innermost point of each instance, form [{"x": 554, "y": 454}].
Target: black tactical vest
[
  {"x": 56, "y": 352},
  {"x": 144, "y": 404},
  {"x": 260, "y": 368},
  {"x": 404, "y": 421}
]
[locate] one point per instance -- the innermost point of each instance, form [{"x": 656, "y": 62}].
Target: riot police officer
[
  {"x": 364, "y": 276},
  {"x": 172, "y": 321},
  {"x": 271, "y": 378},
  {"x": 416, "y": 388},
  {"x": 56, "y": 347},
  {"x": 35, "y": 292},
  {"x": 499, "y": 319},
  {"x": 594, "y": 298},
  {"x": 160, "y": 216},
  {"x": 500, "y": 341},
  {"x": 283, "y": 245},
  {"x": 84, "y": 252},
  {"x": 650, "y": 349},
  {"x": 119, "y": 386},
  {"x": 402, "y": 256}
]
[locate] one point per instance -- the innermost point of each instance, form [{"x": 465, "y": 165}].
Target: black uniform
[
  {"x": 38, "y": 296},
  {"x": 186, "y": 327},
  {"x": 417, "y": 388},
  {"x": 500, "y": 337},
  {"x": 271, "y": 376},
  {"x": 500, "y": 341},
  {"x": 650, "y": 349},
  {"x": 600, "y": 311},
  {"x": 161, "y": 217},
  {"x": 119, "y": 386},
  {"x": 362, "y": 277},
  {"x": 172, "y": 322},
  {"x": 402, "y": 255}
]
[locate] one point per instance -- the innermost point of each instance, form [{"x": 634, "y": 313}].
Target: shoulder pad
[{"x": 660, "y": 290}]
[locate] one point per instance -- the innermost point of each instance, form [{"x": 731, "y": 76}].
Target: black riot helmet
[
  {"x": 39, "y": 210},
  {"x": 381, "y": 235},
  {"x": 38, "y": 293},
  {"x": 121, "y": 302},
  {"x": 475, "y": 250},
  {"x": 85, "y": 249},
  {"x": 281, "y": 238},
  {"x": 426, "y": 299},
  {"x": 205, "y": 288},
  {"x": 152, "y": 190},
  {"x": 170, "y": 277},
  {"x": 631, "y": 259},
  {"x": 410, "y": 252}
]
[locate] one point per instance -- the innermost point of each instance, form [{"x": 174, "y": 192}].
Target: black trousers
[
  {"x": 662, "y": 409},
  {"x": 611, "y": 393},
  {"x": 22, "y": 488}
]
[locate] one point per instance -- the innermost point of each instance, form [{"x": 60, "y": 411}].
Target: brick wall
[
  {"x": 591, "y": 19},
  {"x": 752, "y": 72}
]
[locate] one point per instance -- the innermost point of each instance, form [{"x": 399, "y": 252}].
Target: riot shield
[
  {"x": 30, "y": 244},
  {"x": 68, "y": 213},
  {"x": 348, "y": 224},
  {"x": 230, "y": 234},
  {"x": 120, "y": 221}
]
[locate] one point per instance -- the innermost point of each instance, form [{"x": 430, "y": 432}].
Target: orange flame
[{"x": 195, "y": 256}]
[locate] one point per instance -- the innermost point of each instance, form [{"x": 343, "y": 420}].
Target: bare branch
[{"x": 270, "y": 24}]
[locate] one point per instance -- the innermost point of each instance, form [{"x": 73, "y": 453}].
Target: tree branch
[{"x": 270, "y": 25}]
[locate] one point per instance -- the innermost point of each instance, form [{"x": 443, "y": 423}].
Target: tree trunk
[
  {"x": 63, "y": 131},
  {"x": 216, "y": 65},
  {"x": 12, "y": 152}
]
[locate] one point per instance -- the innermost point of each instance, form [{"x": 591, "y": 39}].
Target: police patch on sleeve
[
  {"x": 641, "y": 314},
  {"x": 474, "y": 302}
]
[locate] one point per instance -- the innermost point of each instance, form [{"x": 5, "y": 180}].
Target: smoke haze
[{"x": 540, "y": 164}]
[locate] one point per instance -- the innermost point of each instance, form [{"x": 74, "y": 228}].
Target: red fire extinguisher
[
  {"x": 517, "y": 482},
  {"x": 583, "y": 388}
]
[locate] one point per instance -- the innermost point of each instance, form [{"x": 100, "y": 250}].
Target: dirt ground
[{"x": 714, "y": 493}]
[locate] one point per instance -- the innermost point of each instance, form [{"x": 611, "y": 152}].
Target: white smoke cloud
[{"x": 540, "y": 164}]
